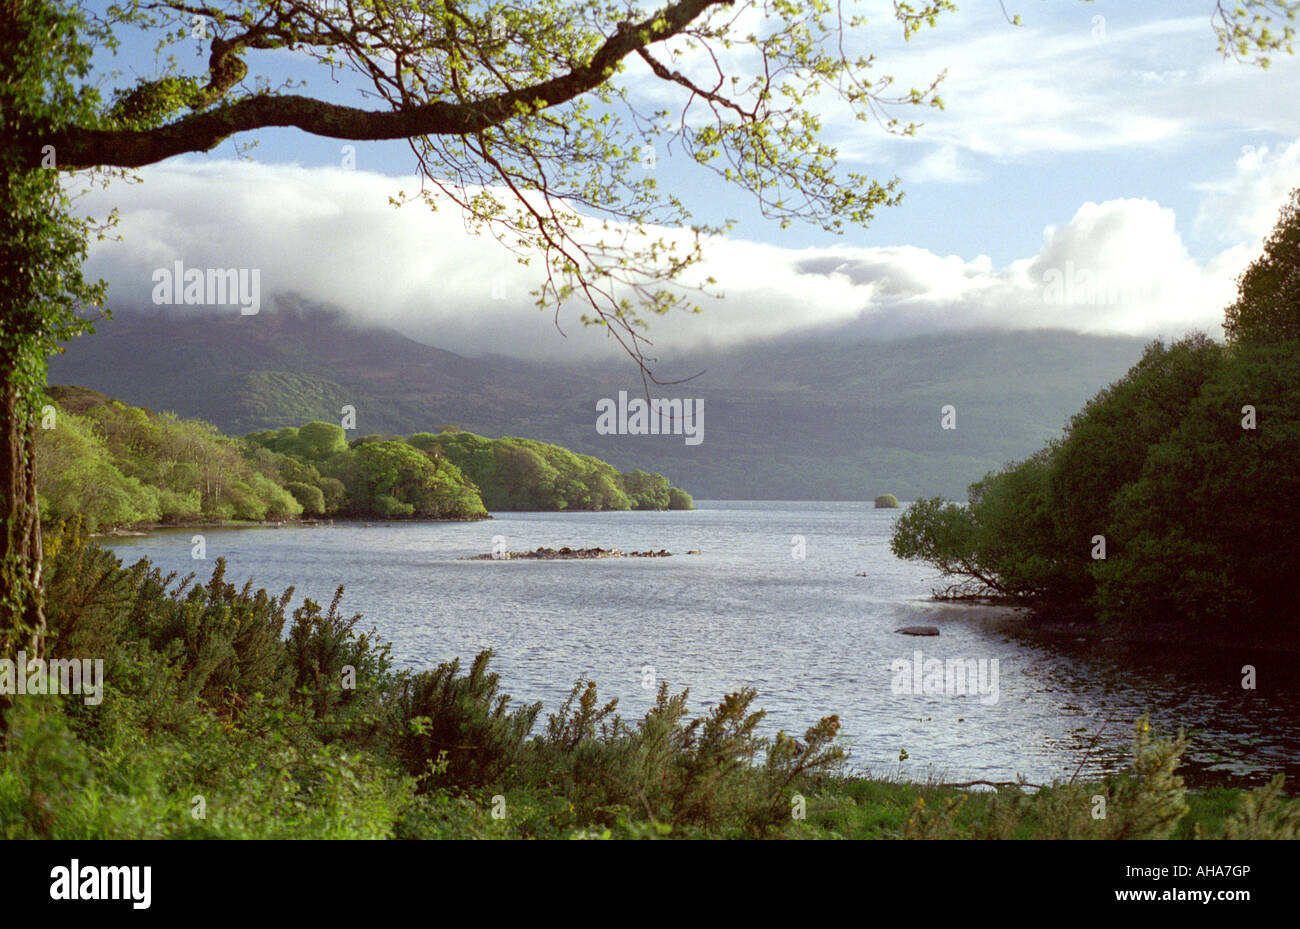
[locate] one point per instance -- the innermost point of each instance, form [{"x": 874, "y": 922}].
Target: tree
[
  {"x": 311, "y": 497},
  {"x": 398, "y": 480},
  {"x": 1267, "y": 308},
  {"x": 1107, "y": 443},
  {"x": 646, "y": 491},
  {"x": 317, "y": 440},
  {"x": 1173, "y": 496},
  {"x": 43, "y": 60},
  {"x": 518, "y": 114}
]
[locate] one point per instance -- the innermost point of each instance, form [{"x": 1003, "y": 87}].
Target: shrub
[
  {"x": 459, "y": 730},
  {"x": 312, "y": 499}
]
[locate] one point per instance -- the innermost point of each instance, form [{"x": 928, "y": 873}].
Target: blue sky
[{"x": 1123, "y": 105}]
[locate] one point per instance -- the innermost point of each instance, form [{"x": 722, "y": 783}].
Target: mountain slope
[{"x": 829, "y": 416}]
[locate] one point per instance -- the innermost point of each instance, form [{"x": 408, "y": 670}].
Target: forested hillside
[
  {"x": 855, "y": 416},
  {"x": 120, "y": 466}
]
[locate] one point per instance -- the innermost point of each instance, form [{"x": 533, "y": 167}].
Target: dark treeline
[
  {"x": 1173, "y": 496},
  {"x": 115, "y": 466}
]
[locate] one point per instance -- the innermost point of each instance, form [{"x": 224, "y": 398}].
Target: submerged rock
[{"x": 918, "y": 630}]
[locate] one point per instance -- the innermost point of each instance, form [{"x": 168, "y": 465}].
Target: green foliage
[
  {"x": 942, "y": 534},
  {"x": 45, "y": 60},
  {"x": 1147, "y": 802},
  {"x": 76, "y": 476},
  {"x": 397, "y": 480},
  {"x": 1267, "y": 309},
  {"x": 1265, "y": 813},
  {"x": 461, "y": 730},
  {"x": 317, "y": 441},
  {"x": 119, "y": 466},
  {"x": 203, "y": 697},
  {"x": 455, "y": 474},
  {"x": 1208, "y": 527},
  {"x": 706, "y": 773},
  {"x": 524, "y": 474},
  {"x": 1254, "y": 29},
  {"x": 312, "y": 499},
  {"x": 1184, "y": 467},
  {"x": 679, "y": 499},
  {"x": 886, "y": 502},
  {"x": 646, "y": 491},
  {"x": 337, "y": 674}
]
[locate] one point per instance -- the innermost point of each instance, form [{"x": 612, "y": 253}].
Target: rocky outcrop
[{"x": 552, "y": 554}]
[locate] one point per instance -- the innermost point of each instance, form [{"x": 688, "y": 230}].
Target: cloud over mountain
[{"x": 332, "y": 236}]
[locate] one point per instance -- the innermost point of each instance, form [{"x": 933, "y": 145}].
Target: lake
[{"x": 808, "y": 633}]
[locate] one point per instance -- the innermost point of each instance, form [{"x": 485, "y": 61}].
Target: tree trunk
[{"x": 22, "y": 598}]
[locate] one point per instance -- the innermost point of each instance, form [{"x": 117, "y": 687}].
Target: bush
[
  {"x": 311, "y": 499},
  {"x": 701, "y": 773},
  {"x": 459, "y": 730}
]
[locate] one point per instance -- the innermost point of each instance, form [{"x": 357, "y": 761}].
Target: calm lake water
[{"x": 809, "y": 634}]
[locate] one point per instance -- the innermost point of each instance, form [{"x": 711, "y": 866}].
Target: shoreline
[
  {"x": 136, "y": 530},
  {"x": 1025, "y": 624}
]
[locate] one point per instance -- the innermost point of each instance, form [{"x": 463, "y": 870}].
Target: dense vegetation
[
  {"x": 117, "y": 465},
  {"x": 1172, "y": 496},
  {"x": 856, "y": 412},
  {"x": 523, "y": 474},
  {"x": 225, "y": 715},
  {"x": 506, "y": 474}
]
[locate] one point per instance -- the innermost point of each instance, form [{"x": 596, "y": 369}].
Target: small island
[{"x": 886, "y": 502}]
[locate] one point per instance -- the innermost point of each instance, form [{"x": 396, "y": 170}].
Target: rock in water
[{"x": 918, "y": 630}]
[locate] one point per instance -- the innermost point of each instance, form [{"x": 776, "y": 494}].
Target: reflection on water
[{"x": 812, "y": 636}]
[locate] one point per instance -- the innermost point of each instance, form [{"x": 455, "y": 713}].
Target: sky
[{"x": 1099, "y": 168}]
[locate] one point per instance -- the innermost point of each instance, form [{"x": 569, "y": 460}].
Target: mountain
[{"x": 823, "y": 416}]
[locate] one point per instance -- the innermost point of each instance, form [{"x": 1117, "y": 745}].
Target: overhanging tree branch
[{"x": 80, "y": 147}]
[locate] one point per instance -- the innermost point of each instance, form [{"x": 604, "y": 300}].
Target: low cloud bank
[{"x": 331, "y": 236}]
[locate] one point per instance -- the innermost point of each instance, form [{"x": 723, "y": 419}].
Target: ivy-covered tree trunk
[{"x": 22, "y": 607}]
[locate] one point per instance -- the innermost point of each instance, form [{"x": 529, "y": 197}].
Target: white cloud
[
  {"x": 941, "y": 166},
  {"x": 331, "y": 236},
  {"x": 1057, "y": 86},
  {"x": 1244, "y": 207}
]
